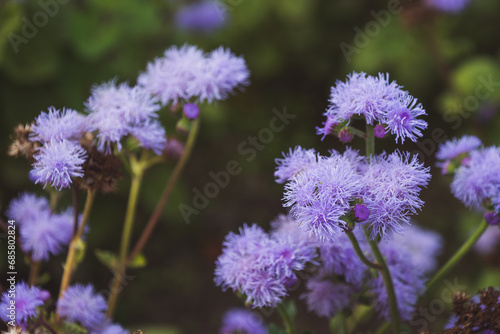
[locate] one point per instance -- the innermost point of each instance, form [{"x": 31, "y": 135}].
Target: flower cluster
[
  {"x": 476, "y": 181},
  {"x": 261, "y": 266},
  {"x": 380, "y": 102},
  {"x": 186, "y": 72},
  {"x": 116, "y": 111},
  {"x": 27, "y": 301},
  {"x": 323, "y": 191},
  {"x": 43, "y": 233}
]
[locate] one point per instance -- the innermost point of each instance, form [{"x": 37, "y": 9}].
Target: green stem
[
  {"x": 137, "y": 173},
  {"x": 357, "y": 132},
  {"x": 359, "y": 252},
  {"x": 73, "y": 246},
  {"x": 389, "y": 286},
  {"x": 386, "y": 274},
  {"x": 286, "y": 319},
  {"x": 458, "y": 255},
  {"x": 153, "y": 220},
  {"x": 370, "y": 141},
  {"x": 383, "y": 328}
]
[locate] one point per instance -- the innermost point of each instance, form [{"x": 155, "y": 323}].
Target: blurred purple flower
[
  {"x": 26, "y": 299},
  {"x": 203, "y": 16},
  {"x": 80, "y": 303},
  {"x": 239, "y": 320}
]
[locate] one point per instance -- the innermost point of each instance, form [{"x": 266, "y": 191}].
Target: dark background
[{"x": 293, "y": 51}]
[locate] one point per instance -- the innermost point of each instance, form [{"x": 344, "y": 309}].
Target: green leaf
[
  {"x": 107, "y": 258},
  {"x": 138, "y": 262},
  {"x": 72, "y": 328},
  {"x": 81, "y": 246}
]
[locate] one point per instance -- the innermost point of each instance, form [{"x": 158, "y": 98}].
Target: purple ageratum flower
[
  {"x": 326, "y": 298},
  {"x": 480, "y": 180},
  {"x": 296, "y": 161},
  {"x": 361, "y": 212},
  {"x": 242, "y": 321},
  {"x": 150, "y": 135},
  {"x": 402, "y": 120},
  {"x": 57, "y": 162},
  {"x": 46, "y": 234},
  {"x": 191, "y": 110},
  {"x": 328, "y": 126},
  {"x": 27, "y": 208},
  {"x": 320, "y": 195},
  {"x": 221, "y": 74},
  {"x": 58, "y": 125},
  {"x": 118, "y": 111},
  {"x": 345, "y": 135},
  {"x": 391, "y": 188},
  {"x": 168, "y": 77},
  {"x": 363, "y": 95},
  {"x": 448, "y": 6},
  {"x": 204, "y": 16},
  {"x": 27, "y": 299},
  {"x": 424, "y": 246},
  {"x": 80, "y": 303},
  {"x": 457, "y": 146},
  {"x": 379, "y": 131},
  {"x": 407, "y": 278},
  {"x": 259, "y": 266}
]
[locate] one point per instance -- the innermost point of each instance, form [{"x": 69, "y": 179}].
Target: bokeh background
[{"x": 295, "y": 50}]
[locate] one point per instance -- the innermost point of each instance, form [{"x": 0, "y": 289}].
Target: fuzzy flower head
[
  {"x": 27, "y": 207},
  {"x": 293, "y": 163},
  {"x": 27, "y": 299},
  {"x": 185, "y": 73},
  {"x": 457, "y": 149},
  {"x": 321, "y": 194},
  {"x": 363, "y": 95},
  {"x": 120, "y": 110},
  {"x": 377, "y": 100},
  {"x": 326, "y": 298},
  {"x": 237, "y": 321},
  {"x": 402, "y": 119},
  {"x": 109, "y": 328},
  {"x": 260, "y": 266},
  {"x": 81, "y": 304},
  {"x": 46, "y": 235},
  {"x": 391, "y": 189},
  {"x": 204, "y": 16},
  {"x": 58, "y": 125},
  {"x": 448, "y": 6},
  {"x": 57, "y": 162},
  {"x": 479, "y": 182}
]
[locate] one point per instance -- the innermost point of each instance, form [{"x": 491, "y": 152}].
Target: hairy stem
[
  {"x": 70, "y": 259},
  {"x": 137, "y": 172},
  {"x": 153, "y": 220},
  {"x": 458, "y": 255},
  {"x": 359, "y": 252}
]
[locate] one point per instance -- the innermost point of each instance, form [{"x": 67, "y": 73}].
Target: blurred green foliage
[{"x": 292, "y": 48}]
